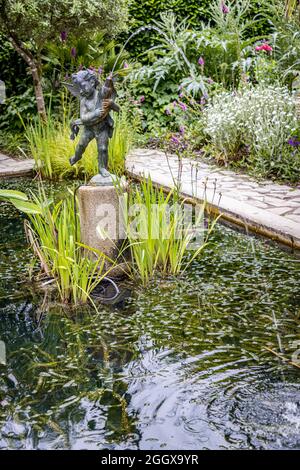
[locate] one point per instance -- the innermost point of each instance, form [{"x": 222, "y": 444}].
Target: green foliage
[
  {"x": 51, "y": 147},
  {"x": 53, "y": 233},
  {"x": 17, "y": 107},
  {"x": 126, "y": 127},
  {"x": 98, "y": 52},
  {"x": 37, "y": 21},
  {"x": 12, "y": 142},
  {"x": 255, "y": 124},
  {"x": 12, "y": 69},
  {"x": 30, "y": 24},
  {"x": 173, "y": 64},
  {"x": 144, "y": 13},
  {"x": 286, "y": 41},
  {"x": 195, "y": 12},
  {"x": 159, "y": 238}
]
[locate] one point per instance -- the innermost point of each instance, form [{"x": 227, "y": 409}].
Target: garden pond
[{"x": 186, "y": 363}]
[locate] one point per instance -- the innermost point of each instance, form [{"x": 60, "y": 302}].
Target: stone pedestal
[{"x": 101, "y": 218}]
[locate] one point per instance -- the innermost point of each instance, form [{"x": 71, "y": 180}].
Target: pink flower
[
  {"x": 224, "y": 8},
  {"x": 168, "y": 112},
  {"x": 264, "y": 47},
  {"x": 142, "y": 99},
  {"x": 201, "y": 61},
  {"x": 125, "y": 65}
]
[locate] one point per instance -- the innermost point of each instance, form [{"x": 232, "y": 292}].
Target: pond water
[{"x": 185, "y": 364}]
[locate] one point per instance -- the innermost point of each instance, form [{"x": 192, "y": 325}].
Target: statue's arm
[
  {"x": 89, "y": 117},
  {"x": 115, "y": 107}
]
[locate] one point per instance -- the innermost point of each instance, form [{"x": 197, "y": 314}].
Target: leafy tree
[{"x": 29, "y": 24}]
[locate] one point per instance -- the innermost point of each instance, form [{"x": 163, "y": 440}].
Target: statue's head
[{"x": 86, "y": 80}]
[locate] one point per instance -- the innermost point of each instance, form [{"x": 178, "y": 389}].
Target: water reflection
[{"x": 185, "y": 364}]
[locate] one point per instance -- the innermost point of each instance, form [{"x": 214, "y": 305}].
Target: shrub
[
  {"x": 256, "y": 121},
  {"x": 193, "y": 61},
  {"x": 194, "y": 11}
]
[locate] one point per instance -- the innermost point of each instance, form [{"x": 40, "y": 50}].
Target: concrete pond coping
[{"x": 265, "y": 208}]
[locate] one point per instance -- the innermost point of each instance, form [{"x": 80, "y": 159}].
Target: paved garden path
[
  {"x": 12, "y": 167},
  {"x": 265, "y": 208}
]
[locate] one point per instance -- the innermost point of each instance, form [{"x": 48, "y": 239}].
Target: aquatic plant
[
  {"x": 52, "y": 230},
  {"x": 159, "y": 237}
]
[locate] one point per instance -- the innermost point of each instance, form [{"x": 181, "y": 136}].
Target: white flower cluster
[{"x": 262, "y": 117}]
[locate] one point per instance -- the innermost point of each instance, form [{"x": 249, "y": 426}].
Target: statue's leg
[
  {"x": 85, "y": 139},
  {"x": 102, "y": 143}
]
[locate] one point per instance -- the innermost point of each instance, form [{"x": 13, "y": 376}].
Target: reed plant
[
  {"x": 52, "y": 229},
  {"x": 51, "y": 147},
  {"x": 160, "y": 238}
]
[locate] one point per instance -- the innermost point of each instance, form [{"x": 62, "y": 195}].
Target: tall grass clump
[
  {"x": 51, "y": 147},
  {"x": 159, "y": 236},
  {"x": 52, "y": 229},
  {"x": 126, "y": 129}
]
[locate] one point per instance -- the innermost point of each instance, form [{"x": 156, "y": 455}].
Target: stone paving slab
[
  {"x": 11, "y": 167},
  {"x": 266, "y": 208}
]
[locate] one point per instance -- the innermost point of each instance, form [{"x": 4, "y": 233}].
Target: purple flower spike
[
  {"x": 294, "y": 142},
  {"x": 63, "y": 36},
  {"x": 182, "y": 106},
  {"x": 100, "y": 70},
  {"x": 224, "y": 8},
  {"x": 168, "y": 112},
  {"x": 182, "y": 129},
  {"x": 73, "y": 52},
  {"x": 201, "y": 61},
  {"x": 175, "y": 140}
]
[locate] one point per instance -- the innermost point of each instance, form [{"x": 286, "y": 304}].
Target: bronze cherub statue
[{"x": 95, "y": 106}]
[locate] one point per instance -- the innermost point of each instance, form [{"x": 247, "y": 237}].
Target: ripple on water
[
  {"x": 229, "y": 407},
  {"x": 187, "y": 356}
]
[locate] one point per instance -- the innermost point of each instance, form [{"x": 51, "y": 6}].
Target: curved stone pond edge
[{"x": 264, "y": 208}]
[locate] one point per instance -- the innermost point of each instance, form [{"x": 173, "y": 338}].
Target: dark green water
[{"x": 180, "y": 365}]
